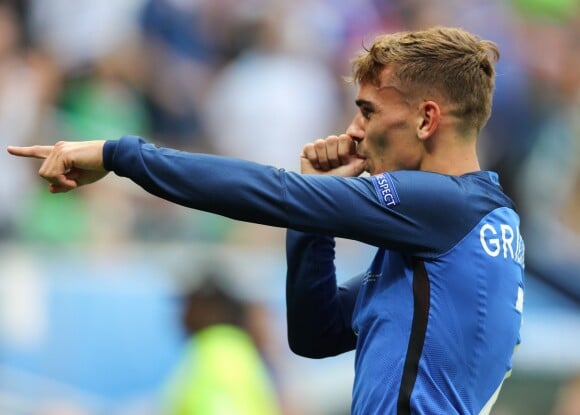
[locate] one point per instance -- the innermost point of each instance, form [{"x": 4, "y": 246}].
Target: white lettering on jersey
[
  {"x": 507, "y": 240},
  {"x": 507, "y": 236},
  {"x": 487, "y": 228},
  {"x": 385, "y": 188}
]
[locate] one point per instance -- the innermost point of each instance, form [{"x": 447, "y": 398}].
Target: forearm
[
  {"x": 229, "y": 187},
  {"x": 318, "y": 311}
]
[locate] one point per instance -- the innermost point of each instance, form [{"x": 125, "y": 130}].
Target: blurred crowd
[{"x": 257, "y": 79}]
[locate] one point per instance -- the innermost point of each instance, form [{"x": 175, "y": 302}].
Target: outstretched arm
[
  {"x": 320, "y": 202},
  {"x": 229, "y": 187},
  {"x": 68, "y": 165}
]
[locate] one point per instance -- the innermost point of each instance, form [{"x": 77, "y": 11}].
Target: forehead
[{"x": 388, "y": 89}]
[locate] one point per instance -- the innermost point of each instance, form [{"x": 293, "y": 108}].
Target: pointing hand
[{"x": 67, "y": 165}]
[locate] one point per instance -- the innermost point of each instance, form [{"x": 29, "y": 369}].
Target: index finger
[{"x": 39, "y": 152}]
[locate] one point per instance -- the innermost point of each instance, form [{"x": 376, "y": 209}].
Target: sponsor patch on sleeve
[{"x": 385, "y": 189}]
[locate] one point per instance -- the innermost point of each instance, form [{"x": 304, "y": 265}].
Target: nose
[{"x": 356, "y": 130}]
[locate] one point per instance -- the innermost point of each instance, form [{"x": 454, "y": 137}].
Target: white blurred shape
[
  {"x": 23, "y": 303},
  {"x": 265, "y": 107},
  {"x": 82, "y": 30}
]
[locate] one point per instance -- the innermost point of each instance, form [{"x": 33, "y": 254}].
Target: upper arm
[{"x": 426, "y": 216}]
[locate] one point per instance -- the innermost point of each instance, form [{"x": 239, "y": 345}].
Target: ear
[{"x": 428, "y": 119}]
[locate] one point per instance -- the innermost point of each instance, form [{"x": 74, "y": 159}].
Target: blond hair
[{"x": 455, "y": 63}]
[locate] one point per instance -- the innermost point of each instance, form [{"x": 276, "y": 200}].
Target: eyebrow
[{"x": 363, "y": 102}]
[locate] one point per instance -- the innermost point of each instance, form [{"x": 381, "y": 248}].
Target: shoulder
[
  {"x": 438, "y": 191},
  {"x": 441, "y": 209}
]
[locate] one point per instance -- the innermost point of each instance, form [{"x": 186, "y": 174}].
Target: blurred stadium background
[{"x": 90, "y": 282}]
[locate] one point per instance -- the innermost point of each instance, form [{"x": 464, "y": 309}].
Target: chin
[{"x": 383, "y": 170}]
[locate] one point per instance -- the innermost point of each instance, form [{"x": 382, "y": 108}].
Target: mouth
[{"x": 361, "y": 155}]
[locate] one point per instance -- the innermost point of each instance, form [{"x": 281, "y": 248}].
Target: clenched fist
[{"x": 335, "y": 155}]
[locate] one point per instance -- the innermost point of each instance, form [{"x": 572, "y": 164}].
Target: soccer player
[{"x": 435, "y": 318}]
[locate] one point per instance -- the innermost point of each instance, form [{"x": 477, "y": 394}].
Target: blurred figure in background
[
  {"x": 549, "y": 179},
  {"x": 568, "y": 398},
  {"x": 28, "y": 85},
  {"x": 222, "y": 371},
  {"x": 298, "y": 93},
  {"x": 178, "y": 57}
]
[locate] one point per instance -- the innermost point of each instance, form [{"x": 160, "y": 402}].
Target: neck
[{"x": 453, "y": 156}]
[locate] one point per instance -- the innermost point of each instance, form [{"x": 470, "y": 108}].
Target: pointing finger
[{"x": 39, "y": 152}]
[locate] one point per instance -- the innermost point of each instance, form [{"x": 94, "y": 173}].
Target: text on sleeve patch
[{"x": 386, "y": 190}]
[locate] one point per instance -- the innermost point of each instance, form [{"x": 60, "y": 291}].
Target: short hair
[{"x": 457, "y": 64}]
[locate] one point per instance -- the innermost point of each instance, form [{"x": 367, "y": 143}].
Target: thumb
[{"x": 353, "y": 168}]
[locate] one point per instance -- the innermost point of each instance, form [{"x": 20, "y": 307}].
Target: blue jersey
[{"x": 435, "y": 318}]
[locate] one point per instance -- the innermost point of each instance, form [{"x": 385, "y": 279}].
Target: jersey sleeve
[
  {"x": 427, "y": 216},
  {"x": 319, "y": 313}
]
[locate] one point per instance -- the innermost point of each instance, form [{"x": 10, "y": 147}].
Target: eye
[
  {"x": 366, "y": 112},
  {"x": 366, "y": 108}
]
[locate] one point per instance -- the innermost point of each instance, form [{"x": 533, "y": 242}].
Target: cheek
[
  {"x": 377, "y": 144},
  {"x": 378, "y": 137},
  {"x": 385, "y": 139},
  {"x": 395, "y": 151},
  {"x": 389, "y": 127}
]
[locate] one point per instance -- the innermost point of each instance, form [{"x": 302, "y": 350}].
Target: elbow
[
  {"x": 298, "y": 348},
  {"x": 317, "y": 337},
  {"x": 313, "y": 345},
  {"x": 303, "y": 338},
  {"x": 298, "y": 342},
  {"x": 303, "y": 342},
  {"x": 305, "y": 349}
]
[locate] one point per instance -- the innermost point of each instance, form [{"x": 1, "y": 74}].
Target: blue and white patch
[{"x": 385, "y": 188}]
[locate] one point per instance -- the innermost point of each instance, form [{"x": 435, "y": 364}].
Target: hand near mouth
[{"x": 334, "y": 155}]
